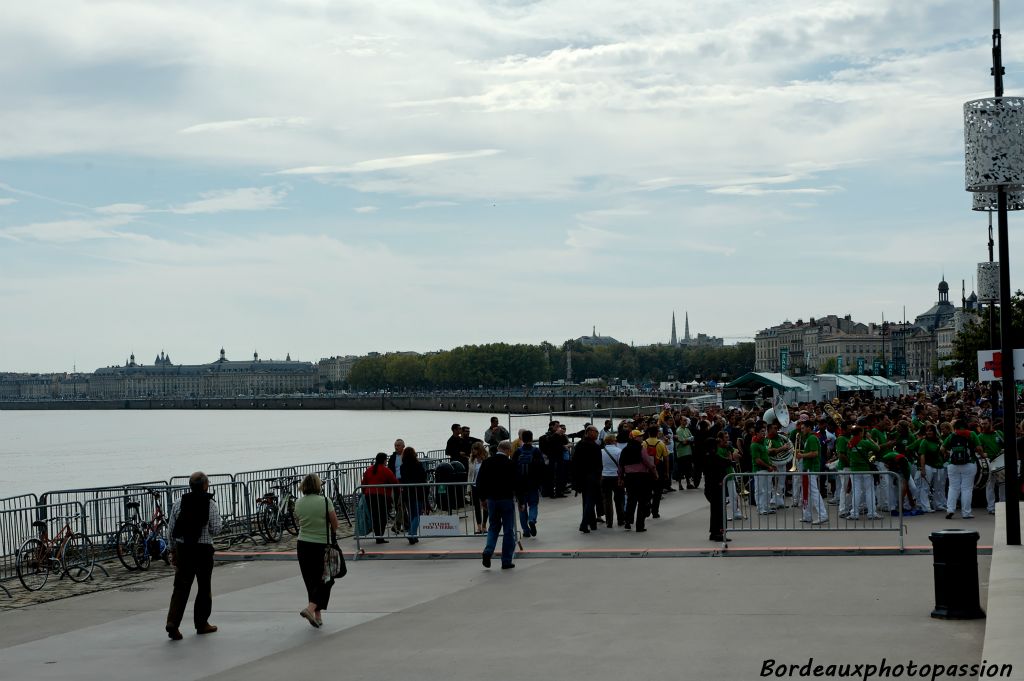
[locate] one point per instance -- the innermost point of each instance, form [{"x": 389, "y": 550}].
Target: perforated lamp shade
[
  {"x": 994, "y": 144},
  {"x": 986, "y": 201},
  {"x": 988, "y": 282}
]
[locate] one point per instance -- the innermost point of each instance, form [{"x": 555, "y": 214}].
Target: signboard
[
  {"x": 891, "y": 368},
  {"x": 440, "y": 526},
  {"x": 839, "y": 364},
  {"x": 990, "y": 365},
  {"x": 783, "y": 359},
  {"x": 876, "y": 367},
  {"x": 860, "y": 365},
  {"x": 903, "y": 368}
]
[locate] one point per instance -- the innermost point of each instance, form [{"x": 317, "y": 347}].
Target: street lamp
[{"x": 994, "y": 163}]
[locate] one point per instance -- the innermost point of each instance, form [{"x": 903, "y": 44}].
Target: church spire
[
  {"x": 686, "y": 332},
  {"x": 675, "y": 341}
]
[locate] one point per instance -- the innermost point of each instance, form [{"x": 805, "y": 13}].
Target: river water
[{"x": 50, "y": 450}]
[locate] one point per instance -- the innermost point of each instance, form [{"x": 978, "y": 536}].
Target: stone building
[{"x": 222, "y": 378}]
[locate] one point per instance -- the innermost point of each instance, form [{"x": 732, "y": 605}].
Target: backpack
[
  {"x": 652, "y": 451},
  {"x": 524, "y": 460},
  {"x": 960, "y": 450}
]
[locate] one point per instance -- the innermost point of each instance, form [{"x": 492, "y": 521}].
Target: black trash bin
[{"x": 955, "y": 558}]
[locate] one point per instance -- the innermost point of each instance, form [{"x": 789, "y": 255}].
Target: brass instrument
[
  {"x": 833, "y": 414},
  {"x": 797, "y": 448}
]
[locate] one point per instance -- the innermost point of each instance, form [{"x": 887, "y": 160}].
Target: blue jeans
[
  {"x": 503, "y": 519},
  {"x": 414, "y": 517},
  {"x": 528, "y": 515}
]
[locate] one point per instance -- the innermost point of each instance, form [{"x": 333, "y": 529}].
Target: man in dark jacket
[
  {"x": 530, "y": 475},
  {"x": 496, "y": 484},
  {"x": 586, "y": 476},
  {"x": 453, "y": 448},
  {"x": 193, "y": 522},
  {"x": 555, "y": 446}
]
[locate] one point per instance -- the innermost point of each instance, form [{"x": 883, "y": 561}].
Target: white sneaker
[
  {"x": 874, "y": 517},
  {"x": 852, "y": 517},
  {"x": 823, "y": 521}
]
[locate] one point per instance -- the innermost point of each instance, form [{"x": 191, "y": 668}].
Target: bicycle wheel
[
  {"x": 140, "y": 551},
  {"x": 269, "y": 523},
  {"x": 33, "y": 564},
  {"x": 288, "y": 517},
  {"x": 126, "y": 538},
  {"x": 77, "y": 557}
]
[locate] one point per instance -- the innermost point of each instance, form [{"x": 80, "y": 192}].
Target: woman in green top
[{"x": 313, "y": 513}]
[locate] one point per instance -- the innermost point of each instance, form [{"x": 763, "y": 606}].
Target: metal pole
[{"x": 1009, "y": 384}]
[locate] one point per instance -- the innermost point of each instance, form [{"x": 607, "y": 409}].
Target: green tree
[{"x": 974, "y": 337}]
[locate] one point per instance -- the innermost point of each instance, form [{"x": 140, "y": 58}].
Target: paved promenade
[{"x": 556, "y": 615}]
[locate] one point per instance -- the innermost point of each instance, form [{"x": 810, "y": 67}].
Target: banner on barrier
[
  {"x": 990, "y": 365},
  {"x": 439, "y": 526}
]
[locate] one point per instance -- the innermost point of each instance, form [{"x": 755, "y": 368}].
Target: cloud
[
  {"x": 429, "y": 204},
  {"x": 391, "y": 163},
  {"x": 224, "y": 200},
  {"x": 122, "y": 209},
  {"x": 261, "y": 123},
  {"x": 68, "y": 231},
  {"x": 7, "y": 202},
  {"x": 753, "y": 190},
  {"x": 366, "y": 209}
]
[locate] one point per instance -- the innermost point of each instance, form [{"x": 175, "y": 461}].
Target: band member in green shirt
[
  {"x": 931, "y": 462},
  {"x": 859, "y": 450},
  {"x": 809, "y": 461},
  {"x": 763, "y": 468}
]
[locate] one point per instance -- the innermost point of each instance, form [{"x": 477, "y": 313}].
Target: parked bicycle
[
  {"x": 275, "y": 512},
  {"x": 68, "y": 553},
  {"x": 138, "y": 542}
]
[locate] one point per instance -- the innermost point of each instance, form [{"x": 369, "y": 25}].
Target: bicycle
[
  {"x": 150, "y": 540},
  {"x": 276, "y": 512},
  {"x": 69, "y": 553}
]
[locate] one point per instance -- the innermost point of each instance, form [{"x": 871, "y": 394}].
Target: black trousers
[
  {"x": 194, "y": 564},
  {"x": 378, "y": 505},
  {"x": 713, "y": 493},
  {"x": 311, "y": 565},
  {"x": 638, "y": 497},
  {"x": 614, "y": 500}
]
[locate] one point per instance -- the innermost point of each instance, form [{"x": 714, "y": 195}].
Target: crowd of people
[{"x": 934, "y": 445}]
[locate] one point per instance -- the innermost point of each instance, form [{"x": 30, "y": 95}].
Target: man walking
[
  {"x": 496, "y": 483},
  {"x": 530, "y": 474},
  {"x": 193, "y": 522}
]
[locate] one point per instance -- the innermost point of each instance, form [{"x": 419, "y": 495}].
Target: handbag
[{"x": 334, "y": 559}]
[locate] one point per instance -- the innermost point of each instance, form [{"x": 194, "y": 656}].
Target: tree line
[{"x": 503, "y": 365}]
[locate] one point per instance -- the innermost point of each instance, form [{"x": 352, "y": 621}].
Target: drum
[
  {"x": 981, "y": 477},
  {"x": 997, "y": 469}
]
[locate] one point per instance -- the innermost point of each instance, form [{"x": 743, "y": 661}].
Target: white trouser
[
  {"x": 922, "y": 494},
  {"x": 733, "y": 509},
  {"x": 990, "y": 493},
  {"x": 961, "y": 486},
  {"x": 798, "y": 490},
  {"x": 845, "y": 493},
  {"x": 779, "y": 486},
  {"x": 935, "y": 483},
  {"x": 863, "y": 495},
  {"x": 763, "y": 490},
  {"x": 814, "y": 508},
  {"x": 887, "y": 496}
]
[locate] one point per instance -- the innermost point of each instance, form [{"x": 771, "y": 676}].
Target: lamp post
[{"x": 994, "y": 155}]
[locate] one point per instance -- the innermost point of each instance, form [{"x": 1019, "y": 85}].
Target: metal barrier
[
  {"x": 414, "y": 511},
  {"x": 21, "y": 501},
  {"x": 16, "y": 528},
  {"x": 744, "y": 517},
  {"x": 236, "y": 506}
]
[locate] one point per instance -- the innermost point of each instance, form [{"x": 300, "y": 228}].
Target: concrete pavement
[{"x": 600, "y": 618}]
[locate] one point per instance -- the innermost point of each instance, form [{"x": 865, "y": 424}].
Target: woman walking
[
  {"x": 314, "y": 514},
  {"x": 477, "y": 454}
]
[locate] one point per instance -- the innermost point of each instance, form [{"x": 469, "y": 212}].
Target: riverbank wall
[{"x": 498, "y": 404}]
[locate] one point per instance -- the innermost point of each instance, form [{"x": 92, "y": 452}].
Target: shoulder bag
[{"x": 334, "y": 559}]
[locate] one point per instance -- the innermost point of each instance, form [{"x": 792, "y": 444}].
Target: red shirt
[{"x": 383, "y": 476}]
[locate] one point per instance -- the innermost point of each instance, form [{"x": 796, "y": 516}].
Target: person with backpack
[
  {"x": 530, "y": 475},
  {"x": 961, "y": 447},
  {"x": 639, "y": 473},
  {"x": 655, "y": 448}
]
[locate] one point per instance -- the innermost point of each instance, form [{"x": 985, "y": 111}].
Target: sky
[{"x": 321, "y": 178}]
